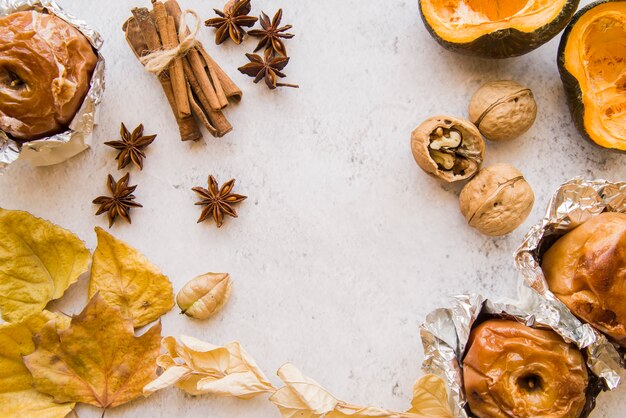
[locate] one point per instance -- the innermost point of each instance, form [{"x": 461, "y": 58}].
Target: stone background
[{"x": 344, "y": 244}]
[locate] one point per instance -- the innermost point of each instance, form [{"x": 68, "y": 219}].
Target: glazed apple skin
[
  {"x": 511, "y": 370},
  {"x": 586, "y": 270},
  {"x": 45, "y": 72}
]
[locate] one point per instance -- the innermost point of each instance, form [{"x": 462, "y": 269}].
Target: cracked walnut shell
[
  {"x": 497, "y": 200},
  {"x": 503, "y": 110},
  {"x": 448, "y": 148}
]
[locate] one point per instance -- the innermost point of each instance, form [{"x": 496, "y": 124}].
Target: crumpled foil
[
  {"x": 60, "y": 147},
  {"x": 574, "y": 203},
  {"x": 445, "y": 334}
]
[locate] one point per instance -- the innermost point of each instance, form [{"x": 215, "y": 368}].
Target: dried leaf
[
  {"x": 356, "y": 412},
  {"x": 430, "y": 398},
  {"x": 38, "y": 262},
  {"x": 301, "y": 396},
  {"x": 18, "y": 399},
  {"x": 205, "y": 295},
  {"x": 200, "y": 368},
  {"x": 126, "y": 279},
  {"x": 98, "y": 360}
]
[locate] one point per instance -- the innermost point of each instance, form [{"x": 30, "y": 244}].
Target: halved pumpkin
[
  {"x": 495, "y": 28},
  {"x": 592, "y": 63}
]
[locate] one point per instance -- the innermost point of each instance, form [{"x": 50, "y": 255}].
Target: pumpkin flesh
[
  {"x": 463, "y": 21},
  {"x": 595, "y": 55}
]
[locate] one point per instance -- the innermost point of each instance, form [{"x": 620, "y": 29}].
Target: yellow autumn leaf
[
  {"x": 38, "y": 262},
  {"x": 97, "y": 360},
  {"x": 200, "y": 368},
  {"x": 18, "y": 399},
  {"x": 430, "y": 398},
  {"x": 125, "y": 278}
]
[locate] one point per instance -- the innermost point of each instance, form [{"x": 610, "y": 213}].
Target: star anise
[
  {"x": 231, "y": 21},
  {"x": 131, "y": 147},
  {"x": 269, "y": 69},
  {"x": 218, "y": 201},
  {"x": 120, "y": 203},
  {"x": 271, "y": 34}
]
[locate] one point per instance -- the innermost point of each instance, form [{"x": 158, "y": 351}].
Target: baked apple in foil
[
  {"x": 51, "y": 79},
  {"x": 586, "y": 270},
  {"x": 512, "y": 370},
  {"x": 45, "y": 70},
  {"x": 517, "y": 358}
]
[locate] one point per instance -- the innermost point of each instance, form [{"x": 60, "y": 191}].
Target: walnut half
[{"x": 448, "y": 148}]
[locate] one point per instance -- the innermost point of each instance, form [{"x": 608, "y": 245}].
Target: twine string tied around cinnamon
[{"x": 158, "y": 61}]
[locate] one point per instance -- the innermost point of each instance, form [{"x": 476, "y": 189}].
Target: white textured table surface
[{"x": 344, "y": 244}]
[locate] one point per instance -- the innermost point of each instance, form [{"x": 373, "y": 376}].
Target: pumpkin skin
[
  {"x": 501, "y": 33},
  {"x": 601, "y": 120}
]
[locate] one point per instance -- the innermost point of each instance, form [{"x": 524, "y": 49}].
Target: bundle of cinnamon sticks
[{"x": 196, "y": 87}]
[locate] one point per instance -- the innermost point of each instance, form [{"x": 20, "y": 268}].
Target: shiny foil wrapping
[
  {"x": 574, "y": 203},
  {"x": 445, "y": 334},
  {"x": 60, "y": 147}
]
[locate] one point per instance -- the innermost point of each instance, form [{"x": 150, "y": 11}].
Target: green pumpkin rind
[
  {"x": 573, "y": 92},
  {"x": 508, "y": 43}
]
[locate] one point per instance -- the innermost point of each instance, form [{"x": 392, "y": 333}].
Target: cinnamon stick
[
  {"x": 222, "y": 125},
  {"x": 210, "y": 92},
  {"x": 178, "y": 76},
  {"x": 195, "y": 85},
  {"x": 169, "y": 39},
  {"x": 199, "y": 113},
  {"x": 230, "y": 88},
  {"x": 214, "y": 120},
  {"x": 224, "y": 86},
  {"x": 219, "y": 90},
  {"x": 141, "y": 35},
  {"x": 193, "y": 58}
]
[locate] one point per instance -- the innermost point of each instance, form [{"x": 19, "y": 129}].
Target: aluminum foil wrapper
[
  {"x": 62, "y": 146},
  {"x": 574, "y": 203},
  {"x": 445, "y": 334}
]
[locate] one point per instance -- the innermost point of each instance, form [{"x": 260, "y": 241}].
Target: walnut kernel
[{"x": 448, "y": 148}]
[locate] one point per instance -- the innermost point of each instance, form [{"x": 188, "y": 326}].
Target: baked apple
[
  {"x": 45, "y": 71},
  {"x": 586, "y": 270},
  {"x": 511, "y": 370}
]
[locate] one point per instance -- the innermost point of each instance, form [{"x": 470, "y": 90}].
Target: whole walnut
[
  {"x": 497, "y": 200},
  {"x": 503, "y": 110}
]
